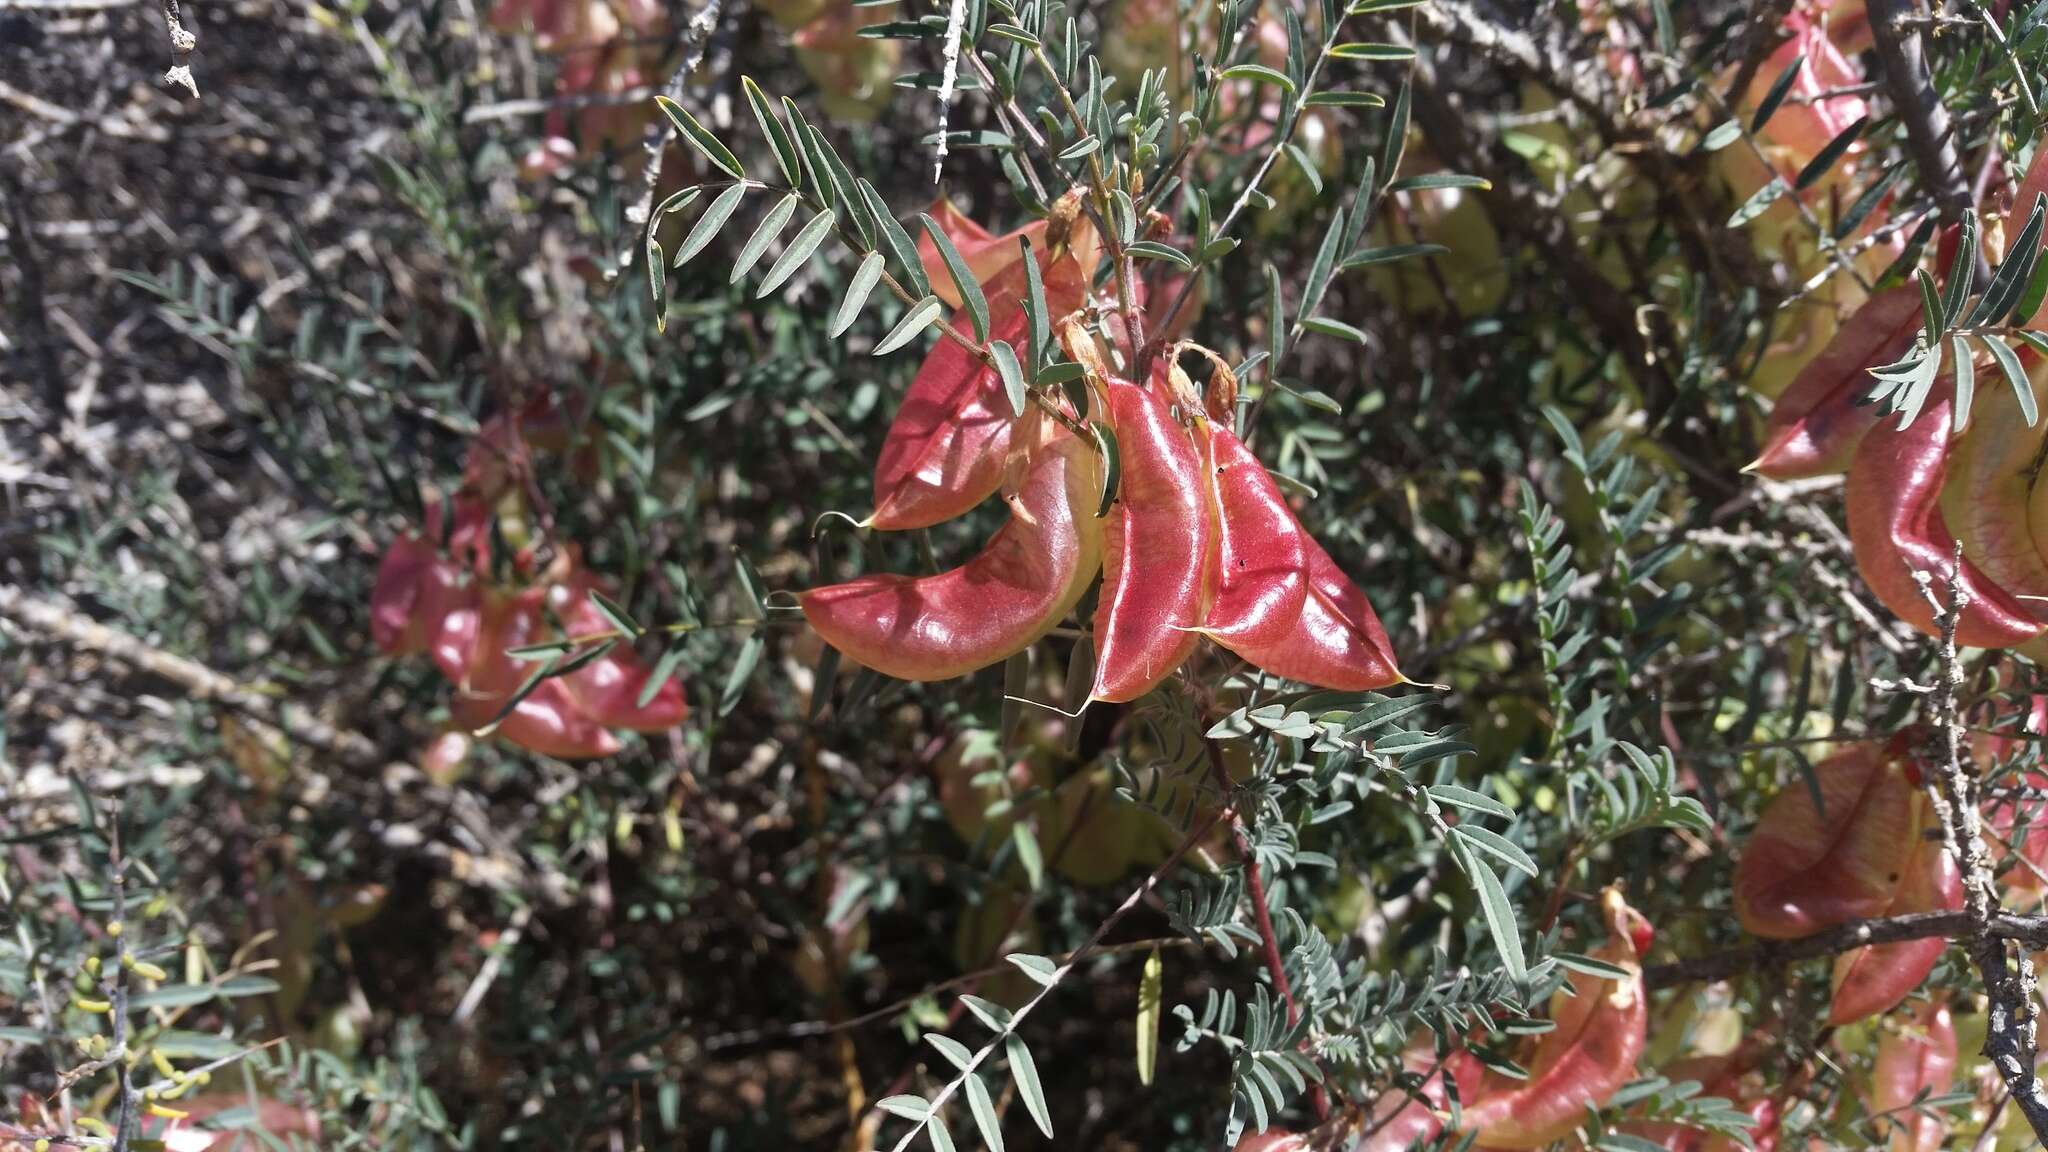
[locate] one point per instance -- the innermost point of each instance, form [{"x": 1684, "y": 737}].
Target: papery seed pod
[
  {"x": 1030, "y": 575},
  {"x": 1821, "y": 103},
  {"x": 395, "y": 624},
  {"x": 1333, "y": 639},
  {"x": 1338, "y": 642},
  {"x": 966, "y": 802},
  {"x": 1399, "y": 1121},
  {"x": 946, "y": 448},
  {"x": 1584, "y": 1060},
  {"x": 546, "y": 720},
  {"x": 1915, "y": 1060},
  {"x": 608, "y": 688},
  {"x": 1875, "y": 978},
  {"x": 1815, "y": 426},
  {"x": 987, "y": 255},
  {"x": 1219, "y": 400},
  {"x": 1806, "y": 869},
  {"x": 1158, "y": 549},
  {"x": 1896, "y": 526},
  {"x": 1988, "y": 496},
  {"x": 2032, "y": 186},
  {"x": 1262, "y": 554},
  {"x": 417, "y": 585},
  {"x": 1070, "y": 230}
]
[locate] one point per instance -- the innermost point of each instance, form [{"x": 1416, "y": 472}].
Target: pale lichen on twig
[{"x": 956, "y": 18}]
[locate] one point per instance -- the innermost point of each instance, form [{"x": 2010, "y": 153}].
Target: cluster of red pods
[
  {"x": 1198, "y": 542},
  {"x": 437, "y": 592},
  {"x": 1947, "y": 479},
  {"x": 606, "y": 48},
  {"x": 1874, "y": 848},
  {"x": 1600, "y": 1033},
  {"x": 1861, "y": 843}
]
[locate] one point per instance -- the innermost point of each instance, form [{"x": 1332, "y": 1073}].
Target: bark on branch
[
  {"x": 2031, "y": 931},
  {"x": 1929, "y": 136},
  {"x": 2009, "y": 1038}
]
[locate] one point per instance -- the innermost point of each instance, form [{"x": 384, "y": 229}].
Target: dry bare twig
[
  {"x": 2009, "y": 1039},
  {"x": 183, "y": 41},
  {"x": 696, "y": 37},
  {"x": 195, "y": 679}
]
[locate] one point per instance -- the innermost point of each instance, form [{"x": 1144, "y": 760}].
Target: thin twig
[
  {"x": 513, "y": 109},
  {"x": 128, "y": 1124},
  {"x": 1262, "y": 917},
  {"x": 1766, "y": 20},
  {"x": 810, "y": 1028},
  {"x": 2009, "y": 1038},
  {"x": 196, "y": 679},
  {"x": 662, "y": 133},
  {"x": 488, "y": 973}
]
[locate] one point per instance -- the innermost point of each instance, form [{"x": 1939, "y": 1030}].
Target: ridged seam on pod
[
  {"x": 1333, "y": 638},
  {"x": 1897, "y": 529},
  {"x": 1815, "y": 426},
  {"x": 1262, "y": 564},
  {"x": 1030, "y": 575},
  {"x": 1158, "y": 549}
]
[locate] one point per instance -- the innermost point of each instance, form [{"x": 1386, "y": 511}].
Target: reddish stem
[
  {"x": 1555, "y": 906},
  {"x": 1269, "y": 941},
  {"x": 1275, "y": 966}
]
